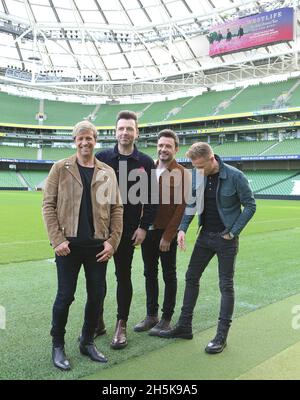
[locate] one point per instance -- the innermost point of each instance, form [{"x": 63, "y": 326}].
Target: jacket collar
[
  {"x": 171, "y": 166},
  {"x": 222, "y": 170},
  {"x": 71, "y": 165},
  {"x": 134, "y": 154}
]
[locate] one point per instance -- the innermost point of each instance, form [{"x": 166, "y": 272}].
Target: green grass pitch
[{"x": 267, "y": 271}]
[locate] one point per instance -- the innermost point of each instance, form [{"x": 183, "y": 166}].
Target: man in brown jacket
[
  {"x": 83, "y": 215},
  {"x": 161, "y": 239}
]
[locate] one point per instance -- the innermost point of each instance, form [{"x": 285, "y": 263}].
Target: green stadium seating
[
  {"x": 205, "y": 104},
  {"x": 163, "y": 111},
  {"x": 260, "y": 180},
  {"x": 286, "y": 147},
  {"x": 106, "y": 115},
  {"x": 19, "y": 110},
  {"x": 238, "y": 149},
  {"x": 262, "y": 96},
  {"x": 28, "y": 153},
  {"x": 57, "y": 153},
  {"x": 9, "y": 179},
  {"x": 290, "y": 186},
  {"x": 34, "y": 178},
  {"x": 60, "y": 113}
]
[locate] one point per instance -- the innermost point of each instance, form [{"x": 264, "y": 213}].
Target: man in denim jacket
[{"x": 224, "y": 190}]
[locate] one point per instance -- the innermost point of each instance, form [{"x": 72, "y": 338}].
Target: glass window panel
[
  {"x": 86, "y": 5},
  {"x": 17, "y": 8},
  {"x": 66, "y": 15},
  {"x": 40, "y": 2},
  {"x": 43, "y": 14},
  {"x": 116, "y": 18},
  {"x": 110, "y": 5},
  {"x": 138, "y": 17},
  {"x": 177, "y": 9},
  {"x": 115, "y": 61},
  {"x": 93, "y": 17}
]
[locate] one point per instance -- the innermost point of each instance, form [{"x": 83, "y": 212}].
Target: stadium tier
[
  {"x": 163, "y": 110},
  {"x": 228, "y": 149},
  {"x": 289, "y": 187},
  {"x": 34, "y": 179},
  {"x": 10, "y": 179},
  {"x": 21, "y": 110},
  {"x": 268, "y": 182},
  {"x": 286, "y": 147},
  {"x": 239, "y": 149},
  {"x": 65, "y": 114},
  {"x": 209, "y": 103},
  {"x": 53, "y": 153},
  {"x": 106, "y": 114},
  {"x": 27, "y": 153},
  {"x": 259, "y": 97},
  {"x": 261, "y": 180}
]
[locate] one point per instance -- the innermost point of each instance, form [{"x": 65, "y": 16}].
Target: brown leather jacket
[
  {"x": 62, "y": 199},
  {"x": 174, "y": 186}
]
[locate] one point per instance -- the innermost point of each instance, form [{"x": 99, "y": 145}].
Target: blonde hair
[
  {"x": 199, "y": 150},
  {"x": 84, "y": 126}
]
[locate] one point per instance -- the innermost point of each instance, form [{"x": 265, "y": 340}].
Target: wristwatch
[{"x": 231, "y": 235}]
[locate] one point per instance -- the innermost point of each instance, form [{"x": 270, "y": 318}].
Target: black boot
[
  {"x": 148, "y": 323},
  {"x": 179, "y": 331},
  {"x": 90, "y": 350},
  {"x": 218, "y": 343},
  {"x": 59, "y": 358}
]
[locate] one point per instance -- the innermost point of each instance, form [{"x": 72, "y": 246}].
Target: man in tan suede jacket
[{"x": 83, "y": 215}]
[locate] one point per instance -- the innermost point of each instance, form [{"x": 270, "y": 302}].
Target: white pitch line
[
  {"x": 275, "y": 220},
  {"x": 23, "y": 242}
]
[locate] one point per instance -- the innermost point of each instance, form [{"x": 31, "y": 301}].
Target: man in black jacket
[{"x": 131, "y": 166}]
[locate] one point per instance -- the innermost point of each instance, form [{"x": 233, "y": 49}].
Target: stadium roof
[{"x": 117, "y": 48}]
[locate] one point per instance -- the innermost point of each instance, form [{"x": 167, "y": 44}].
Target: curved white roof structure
[{"x": 117, "y": 48}]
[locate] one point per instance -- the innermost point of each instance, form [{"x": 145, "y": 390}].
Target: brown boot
[
  {"x": 145, "y": 325},
  {"x": 100, "y": 330},
  {"x": 119, "y": 340}
]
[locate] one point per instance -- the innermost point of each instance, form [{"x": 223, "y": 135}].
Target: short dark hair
[
  {"x": 126, "y": 114},
  {"x": 170, "y": 134}
]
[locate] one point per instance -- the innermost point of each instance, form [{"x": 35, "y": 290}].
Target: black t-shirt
[
  {"x": 211, "y": 218},
  {"x": 139, "y": 214},
  {"x": 85, "y": 232}
]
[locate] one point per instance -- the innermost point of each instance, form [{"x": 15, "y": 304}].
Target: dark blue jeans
[
  {"x": 68, "y": 268},
  {"x": 207, "y": 245},
  {"x": 151, "y": 255}
]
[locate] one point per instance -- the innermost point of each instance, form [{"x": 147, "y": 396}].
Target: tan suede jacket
[{"x": 62, "y": 199}]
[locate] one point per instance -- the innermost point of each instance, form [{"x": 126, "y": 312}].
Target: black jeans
[
  {"x": 207, "y": 245},
  {"x": 68, "y": 268},
  {"x": 123, "y": 264},
  {"x": 151, "y": 255}
]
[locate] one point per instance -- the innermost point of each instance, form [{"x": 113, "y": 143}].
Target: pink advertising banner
[{"x": 253, "y": 31}]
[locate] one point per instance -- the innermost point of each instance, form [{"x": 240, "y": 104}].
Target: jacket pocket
[{"x": 228, "y": 198}]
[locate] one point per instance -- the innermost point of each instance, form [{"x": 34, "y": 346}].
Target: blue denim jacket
[{"x": 233, "y": 191}]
